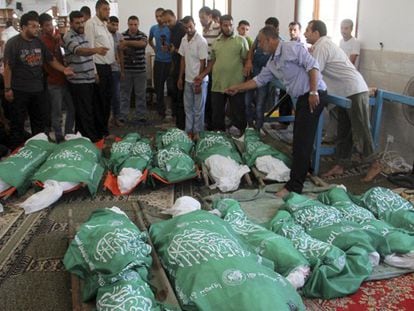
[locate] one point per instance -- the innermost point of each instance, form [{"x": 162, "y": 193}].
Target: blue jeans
[
  {"x": 257, "y": 102},
  {"x": 116, "y": 93},
  {"x": 138, "y": 81},
  {"x": 194, "y": 105},
  {"x": 60, "y": 97}
]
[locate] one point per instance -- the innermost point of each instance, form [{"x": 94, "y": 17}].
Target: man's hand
[
  {"x": 313, "y": 101},
  {"x": 96, "y": 78},
  {"x": 9, "y": 95},
  {"x": 101, "y": 50},
  {"x": 122, "y": 75},
  {"x": 68, "y": 71},
  {"x": 248, "y": 68},
  {"x": 232, "y": 90},
  {"x": 122, "y": 44},
  {"x": 180, "y": 84}
]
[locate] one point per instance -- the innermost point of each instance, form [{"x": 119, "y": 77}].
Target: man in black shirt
[
  {"x": 178, "y": 31},
  {"x": 24, "y": 81}
]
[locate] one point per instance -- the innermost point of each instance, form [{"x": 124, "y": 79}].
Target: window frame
[{"x": 180, "y": 7}]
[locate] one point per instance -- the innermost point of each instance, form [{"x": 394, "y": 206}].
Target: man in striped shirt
[
  {"x": 133, "y": 70},
  {"x": 78, "y": 55}
]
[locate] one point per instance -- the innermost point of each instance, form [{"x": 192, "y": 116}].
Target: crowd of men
[{"x": 217, "y": 79}]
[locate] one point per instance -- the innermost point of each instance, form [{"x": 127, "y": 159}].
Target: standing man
[
  {"x": 177, "y": 31},
  {"x": 86, "y": 11},
  {"x": 113, "y": 27},
  {"x": 57, "y": 88},
  {"x": 243, "y": 30},
  {"x": 162, "y": 64},
  {"x": 228, "y": 55},
  {"x": 78, "y": 55},
  {"x": 133, "y": 68},
  {"x": 299, "y": 72},
  {"x": 98, "y": 35},
  {"x": 343, "y": 79},
  {"x": 194, "y": 52},
  {"x": 24, "y": 57},
  {"x": 211, "y": 31},
  {"x": 349, "y": 44}
]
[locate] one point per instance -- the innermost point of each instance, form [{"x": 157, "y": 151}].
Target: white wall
[{"x": 390, "y": 22}]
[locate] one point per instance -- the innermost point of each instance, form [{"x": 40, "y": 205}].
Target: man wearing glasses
[{"x": 24, "y": 82}]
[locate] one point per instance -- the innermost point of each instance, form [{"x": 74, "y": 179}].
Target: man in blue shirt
[
  {"x": 161, "y": 34},
  {"x": 299, "y": 72}
]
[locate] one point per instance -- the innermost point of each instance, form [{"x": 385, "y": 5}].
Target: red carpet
[{"x": 384, "y": 295}]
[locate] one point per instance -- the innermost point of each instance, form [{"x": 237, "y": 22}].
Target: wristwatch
[{"x": 314, "y": 93}]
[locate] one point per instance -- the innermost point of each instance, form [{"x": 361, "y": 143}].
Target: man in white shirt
[
  {"x": 98, "y": 35},
  {"x": 344, "y": 80},
  {"x": 194, "y": 52},
  {"x": 349, "y": 44}
]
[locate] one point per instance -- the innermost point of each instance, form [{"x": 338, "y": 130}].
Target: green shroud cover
[
  {"x": 388, "y": 206},
  {"x": 266, "y": 243},
  {"x": 334, "y": 273},
  {"x": 212, "y": 269},
  {"x": 211, "y": 143},
  {"x": 174, "y": 137},
  {"x": 105, "y": 249},
  {"x": 131, "y": 293},
  {"x": 399, "y": 241},
  {"x": 140, "y": 156},
  {"x": 326, "y": 223},
  {"x": 174, "y": 165},
  {"x": 120, "y": 151},
  {"x": 18, "y": 168},
  {"x": 77, "y": 161},
  {"x": 255, "y": 148}
]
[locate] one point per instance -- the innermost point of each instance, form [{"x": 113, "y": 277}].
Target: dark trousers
[
  {"x": 161, "y": 73},
  {"x": 84, "y": 95},
  {"x": 236, "y": 110},
  {"x": 103, "y": 105},
  {"x": 177, "y": 96},
  {"x": 25, "y": 103},
  {"x": 304, "y": 131},
  {"x": 207, "y": 111}
]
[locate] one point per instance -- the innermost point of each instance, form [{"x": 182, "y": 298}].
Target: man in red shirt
[{"x": 59, "y": 95}]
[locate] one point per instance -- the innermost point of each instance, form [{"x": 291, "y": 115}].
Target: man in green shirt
[{"x": 228, "y": 55}]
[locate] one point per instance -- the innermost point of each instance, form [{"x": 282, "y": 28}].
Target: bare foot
[
  {"x": 282, "y": 193},
  {"x": 373, "y": 171},
  {"x": 336, "y": 170}
]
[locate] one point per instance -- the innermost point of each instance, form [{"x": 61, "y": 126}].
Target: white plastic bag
[
  {"x": 52, "y": 191},
  {"x": 274, "y": 168},
  {"x": 128, "y": 178},
  {"x": 405, "y": 261},
  {"x": 226, "y": 172},
  {"x": 183, "y": 205}
]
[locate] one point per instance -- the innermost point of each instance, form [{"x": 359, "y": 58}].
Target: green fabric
[
  {"x": 18, "y": 168},
  {"x": 140, "y": 156},
  {"x": 105, "y": 249},
  {"x": 174, "y": 165},
  {"x": 77, "y": 161},
  {"x": 132, "y": 293},
  {"x": 255, "y": 148},
  {"x": 229, "y": 55},
  {"x": 326, "y": 223},
  {"x": 174, "y": 137},
  {"x": 334, "y": 273},
  {"x": 211, "y": 143},
  {"x": 120, "y": 151},
  {"x": 399, "y": 241},
  {"x": 274, "y": 247},
  {"x": 213, "y": 269},
  {"x": 388, "y": 206}
]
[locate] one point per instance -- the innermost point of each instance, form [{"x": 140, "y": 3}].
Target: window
[
  {"x": 331, "y": 12},
  {"x": 191, "y": 7}
]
